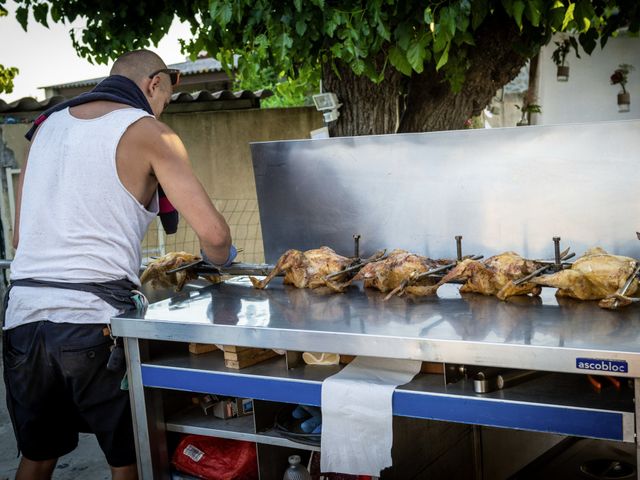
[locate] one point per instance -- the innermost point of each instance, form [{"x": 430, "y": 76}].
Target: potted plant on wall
[
  {"x": 528, "y": 107},
  {"x": 527, "y": 110},
  {"x": 621, "y": 77},
  {"x": 559, "y": 57}
]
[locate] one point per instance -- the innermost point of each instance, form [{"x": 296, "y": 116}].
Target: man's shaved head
[{"x": 137, "y": 65}]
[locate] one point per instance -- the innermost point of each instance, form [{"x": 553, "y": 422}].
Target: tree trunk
[
  {"x": 424, "y": 102},
  {"x": 367, "y": 108},
  {"x": 431, "y": 105}
]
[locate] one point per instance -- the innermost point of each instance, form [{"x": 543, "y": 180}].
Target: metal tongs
[
  {"x": 557, "y": 264},
  {"x": 202, "y": 267}
]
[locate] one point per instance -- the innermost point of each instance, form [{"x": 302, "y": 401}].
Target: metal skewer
[
  {"x": 201, "y": 267},
  {"x": 623, "y": 291},
  {"x": 356, "y": 266},
  {"x": 356, "y": 246},
  {"x": 629, "y": 281},
  {"x": 444, "y": 268},
  {"x": 557, "y": 264}
]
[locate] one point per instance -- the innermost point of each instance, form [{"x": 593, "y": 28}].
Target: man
[{"x": 86, "y": 196}]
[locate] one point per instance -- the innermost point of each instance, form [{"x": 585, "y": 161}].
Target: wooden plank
[
  {"x": 235, "y": 349},
  {"x": 247, "y": 357},
  {"x": 198, "y": 348}
]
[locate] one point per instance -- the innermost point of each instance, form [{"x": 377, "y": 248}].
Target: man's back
[{"x": 82, "y": 225}]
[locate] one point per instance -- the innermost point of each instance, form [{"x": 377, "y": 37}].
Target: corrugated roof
[
  {"x": 201, "y": 65},
  {"x": 28, "y": 104}
]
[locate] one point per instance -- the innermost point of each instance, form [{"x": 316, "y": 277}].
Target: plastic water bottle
[{"x": 295, "y": 470}]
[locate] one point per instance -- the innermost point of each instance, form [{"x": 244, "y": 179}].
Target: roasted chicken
[
  {"x": 494, "y": 276},
  {"x": 596, "y": 275},
  {"x": 386, "y": 275},
  {"x": 156, "y": 270},
  {"x": 308, "y": 269}
]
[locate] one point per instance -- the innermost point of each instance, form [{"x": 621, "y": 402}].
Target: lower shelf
[{"x": 193, "y": 421}]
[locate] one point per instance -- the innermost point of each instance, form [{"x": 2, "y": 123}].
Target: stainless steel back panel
[{"x": 502, "y": 189}]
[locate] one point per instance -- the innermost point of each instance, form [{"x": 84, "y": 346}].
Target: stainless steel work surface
[
  {"x": 536, "y": 333},
  {"x": 502, "y": 189}
]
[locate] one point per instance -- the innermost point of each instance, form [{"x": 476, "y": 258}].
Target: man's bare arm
[{"x": 170, "y": 164}]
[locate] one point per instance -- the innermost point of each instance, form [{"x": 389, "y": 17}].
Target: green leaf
[
  {"x": 298, "y": 5},
  {"x": 467, "y": 38},
  {"x": 383, "y": 31},
  {"x": 508, "y": 7},
  {"x": 428, "y": 16},
  {"x": 534, "y": 11},
  {"x": 518, "y": 9},
  {"x": 55, "y": 14},
  {"x": 444, "y": 58},
  {"x": 22, "y": 15},
  {"x": 403, "y": 35},
  {"x": 568, "y": 16},
  {"x": 336, "y": 50},
  {"x": 574, "y": 44},
  {"x": 282, "y": 44},
  {"x": 213, "y": 9},
  {"x": 588, "y": 40},
  {"x": 439, "y": 43},
  {"x": 40, "y": 12},
  {"x": 399, "y": 60},
  {"x": 357, "y": 66},
  {"x": 301, "y": 27},
  {"x": 479, "y": 13},
  {"x": 330, "y": 27},
  {"x": 448, "y": 22},
  {"x": 416, "y": 55},
  {"x": 225, "y": 14},
  {"x": 556, "y": 17},
  {"x": 583, "y": 14}
]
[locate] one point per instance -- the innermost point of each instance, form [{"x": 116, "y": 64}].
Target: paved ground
[{"x": 85, "y": 462}]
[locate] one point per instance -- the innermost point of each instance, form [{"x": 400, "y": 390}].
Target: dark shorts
[{"x": 58, "y": 385}]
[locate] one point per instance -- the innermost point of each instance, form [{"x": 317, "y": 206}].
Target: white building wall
[{"x": 588, "y": 96}]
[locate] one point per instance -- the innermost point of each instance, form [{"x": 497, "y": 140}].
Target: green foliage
[
  {"x": 7, "y": 74},
  {"x": 563, "y": 47},
  {"x": 291, "y": 38}
]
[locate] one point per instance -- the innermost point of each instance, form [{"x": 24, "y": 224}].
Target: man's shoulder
[
  {"x": 148, "y": 130},
  {"x": 151, "y": 125}
]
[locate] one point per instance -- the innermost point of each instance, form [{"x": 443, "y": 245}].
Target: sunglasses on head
[{"x": 174, "y": 74}]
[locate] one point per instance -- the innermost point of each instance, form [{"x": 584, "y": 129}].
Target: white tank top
[{"x": 78, "y": 223}]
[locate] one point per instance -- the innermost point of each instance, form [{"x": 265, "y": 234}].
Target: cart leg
[
  {"x": 478, "y": 469},
  {"x": 148, "y": 420}
]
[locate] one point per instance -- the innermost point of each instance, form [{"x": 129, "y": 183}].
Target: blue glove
[{"x": 233, "y": 253}]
